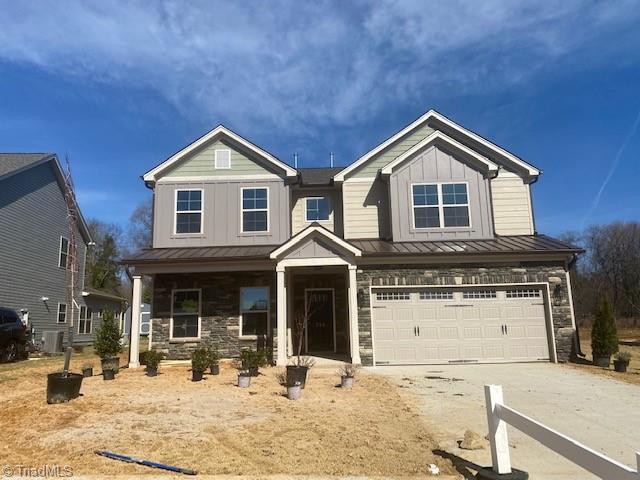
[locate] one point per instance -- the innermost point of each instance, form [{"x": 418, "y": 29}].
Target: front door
[{"x": 320, "y": 320}]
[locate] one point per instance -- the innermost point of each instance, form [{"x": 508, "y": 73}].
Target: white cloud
[{"x": 307, "y": 64}]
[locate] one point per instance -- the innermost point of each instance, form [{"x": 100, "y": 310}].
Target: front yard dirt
[{"x": 214, "y": 427}]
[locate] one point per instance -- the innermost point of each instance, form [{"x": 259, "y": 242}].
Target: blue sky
[{"x": 120, "y": 86}]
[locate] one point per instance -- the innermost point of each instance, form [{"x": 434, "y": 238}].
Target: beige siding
[
  {"x": 366, "y": 213},
  {"x": 202, "y": 163},
  {"x": 298, "y": 210},
  {"x": 511, "y": 205}
]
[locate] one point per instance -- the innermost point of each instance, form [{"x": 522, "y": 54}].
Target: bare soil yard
[{"x": 213, "y": 426}]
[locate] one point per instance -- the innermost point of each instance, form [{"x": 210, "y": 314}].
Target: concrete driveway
[{"x": 601, "y": 413}]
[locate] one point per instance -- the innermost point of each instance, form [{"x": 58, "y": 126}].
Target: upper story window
[
  {"x": 255, "y": 209},
  {"x": 318, "y": 209},
  {"x": 223, "y": 159},
  {"x": 63, "y": 257},
  {"x": 188, "y": 211},
  {"x": 440, "y": 205}
]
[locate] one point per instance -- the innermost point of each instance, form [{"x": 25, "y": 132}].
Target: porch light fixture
[{"x": 45, "y": 299}]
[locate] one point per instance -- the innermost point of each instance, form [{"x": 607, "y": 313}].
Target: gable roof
[
  {"x": 439, "y": 136},
  {"x": 14, "y": 163},
  {"x": 438, "y": 119},
  {"x": 319, "y": 230},
  {"x": 220, "y": 130}
]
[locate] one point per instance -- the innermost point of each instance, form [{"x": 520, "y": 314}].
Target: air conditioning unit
[{"x": 52, "y": 341}]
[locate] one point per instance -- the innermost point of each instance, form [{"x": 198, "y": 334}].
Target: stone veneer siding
[
  {"x": 403, "y": 275},
  {"x": 220, "y": 312}
]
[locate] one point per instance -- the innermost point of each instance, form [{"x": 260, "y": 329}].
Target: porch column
[
  {"x": 281, "y": 299},
  {"x": 354, "y": 335},
  {"x": 134, "y": 330}
]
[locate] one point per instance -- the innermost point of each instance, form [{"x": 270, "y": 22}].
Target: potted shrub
[
  {"x": 87, "y": 370},
  {"x": 63, "y": 386},
  {"x": 244, "y": 378},
  {"x": 297, "y": 372},
  {"x": 252, "y": 360},
  {"x": 621, "y": 361},
  {"x": 153, "y": 359},
  {"x": 199, "y": 363},
  {"x": 604, "y": 335},
  {"x": 107, "y": 344},
  {"x": 294, "y": 391},
  {"x": 214, "y": 361},
  {"x": 347, "y": 374}
]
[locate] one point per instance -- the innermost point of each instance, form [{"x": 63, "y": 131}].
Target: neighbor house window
[
  {"x": 188, "y": 211},
  {"x": 62, "y": 313},
  {"x": 63, "y": 258},
  {"x": 440, "y": 205},
  {"x": 254, "y": 311},
  {"x": 318, "y": 209},
  {"x": 84, "y": 320},
  {"x": 223, "y": 159},
  {"x": 255, "y": 209},
  {"x": 185, "y": 314}
]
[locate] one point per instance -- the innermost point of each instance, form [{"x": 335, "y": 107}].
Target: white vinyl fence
[{"x": 499, "y": 415}]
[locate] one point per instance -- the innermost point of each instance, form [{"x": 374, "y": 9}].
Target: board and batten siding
[
  {"x": 365, "y": 209},
  {"x": 202, "y": 163},
  {"x": 221, "y": 214},
  {"x": 33, "y": 217},
  {"x": 436, "y": 165},
  {"x": 511, "y": 200},
  {"x": 298, "y": 209}
]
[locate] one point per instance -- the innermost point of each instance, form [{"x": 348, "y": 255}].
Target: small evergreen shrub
[
  {"x": 200, "y": 360},
  {"x": 253, "y": 358},
  {"x": 108, "y": 336},
  {"x": 623, "y": 357},
  {"x": 213, "y": 356},
  {"x": 604, "y": 335},
  {"x": 153, "y": 359}
]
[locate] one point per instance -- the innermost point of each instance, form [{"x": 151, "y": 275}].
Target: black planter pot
[
  {"x": 620, "y": 366},
  {"x": 196, "y": 376},
  {"x": 108, "y": 374},
  {"x": 152, "y": 372},
  {"x": 61, "y": 389},
  {"x": 111, "y": 363},
  {"x": 602, "y": 360},
  {"x": 87, "y": 372},
  {"x": 296, "y": 374},
  {"x": 215, "y": 369}
]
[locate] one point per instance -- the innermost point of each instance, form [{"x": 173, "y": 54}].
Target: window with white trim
[
  {"x": 318, "y": 209},
  {"x": 479, "y": 294},
  {"x": 85, "y": 317},
  {"x": 392, "y": 296},
  {"x": 524, "y": 293},
  {"x": 222, "y": 159},
  {"x": 440, "y": 205},
  {"x": 436, "y": 295},
  {"x": 62, "y": 313},
  {"x": 188, "y": 211},
  {"x": 254, "y": 311},
  {"x": 63, "y": 256},
  {"x": 255, "y": 209},
  {"x": 185, "y": 314}
]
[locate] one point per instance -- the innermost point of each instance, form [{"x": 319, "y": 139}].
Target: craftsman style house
[{"x": 423, "y": 250}]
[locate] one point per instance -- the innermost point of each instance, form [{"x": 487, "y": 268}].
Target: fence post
[{"x": 497, "y": 430}]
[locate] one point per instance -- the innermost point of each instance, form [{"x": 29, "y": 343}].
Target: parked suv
[{"x": 13, "y": 336}]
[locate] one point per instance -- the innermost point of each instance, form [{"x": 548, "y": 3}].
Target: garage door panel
[
  {"x": 429, "y": 333},
  {"x": 490, "y": 313},
  {"x": 448, "y": 333}
]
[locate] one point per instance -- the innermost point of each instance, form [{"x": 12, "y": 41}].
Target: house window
[
  {"x": 526, "y": 293},
  {"x": 63, "y": 257},
  {"x": 479, "y": 294},
  {"x": 318, "y": 209},
  {"x": 254, "y": 311},
  {"x": 440, "y": 205},
  {"x": 391, "y": 296},
  {"x": 223, "y": 159},
  {"x": 185, "y": 314},
  {"x": 255, "y": 209},
  {"x": 84, "y": 320},
  {"x": 62, "y": 313},
  {"x": 436, "y": 295},
  {"x": 188, "y": 211}
]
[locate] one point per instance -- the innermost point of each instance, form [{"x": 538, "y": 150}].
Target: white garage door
[{"x": 433, "y": 325}]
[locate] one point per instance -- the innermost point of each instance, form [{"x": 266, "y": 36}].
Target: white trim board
[{"x": 333, "y": 238}]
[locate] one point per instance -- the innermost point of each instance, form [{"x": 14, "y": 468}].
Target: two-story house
[
  {"x": 423, "y": 250},
  {"x": 34, "y": 251}
]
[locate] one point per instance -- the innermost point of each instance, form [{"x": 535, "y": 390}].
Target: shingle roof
[
  {"x": 318, "y": 176},
  {"x": 11, "y": 162},
  {"x": 100, "y": 293}
]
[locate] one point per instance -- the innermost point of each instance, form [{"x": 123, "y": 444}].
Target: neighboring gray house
[
  {"x": 34, "y": 249},
  {"x": 424, "y": 250}
]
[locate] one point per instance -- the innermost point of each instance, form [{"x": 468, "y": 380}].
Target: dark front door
[{"x": 320, "y": 321}]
